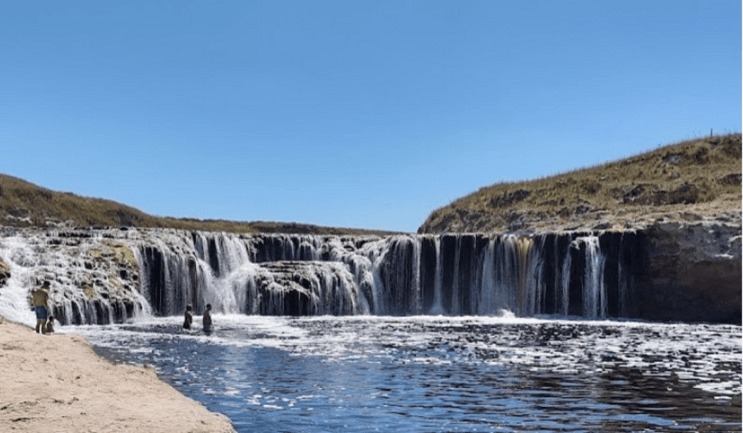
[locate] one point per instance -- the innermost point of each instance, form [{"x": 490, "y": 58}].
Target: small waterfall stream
[
  {"x": 589, "y": 274},
  {"x": 594, "y": 288}
]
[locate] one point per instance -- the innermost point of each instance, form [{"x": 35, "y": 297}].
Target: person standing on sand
[
  {"x": 207, "y": 319},
  {"x": 39, "y": 301},
  {"x": 187, "y": 318}
]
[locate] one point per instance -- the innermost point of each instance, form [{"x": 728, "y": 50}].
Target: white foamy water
[
  {"x": 434, "y": 373},
  {"x": 22, "y": 258}
]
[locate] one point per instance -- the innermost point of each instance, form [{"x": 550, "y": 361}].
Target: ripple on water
[{"x": 450, "y": 374}]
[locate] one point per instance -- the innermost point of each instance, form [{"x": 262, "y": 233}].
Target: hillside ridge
[
  {"x": 24, "y": 204},
  {"x": 692, "y": 181}
]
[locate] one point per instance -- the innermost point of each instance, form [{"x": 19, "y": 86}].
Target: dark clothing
[
  {"x": 207, "y": 319},
  {"x": 187, "y": 320}
]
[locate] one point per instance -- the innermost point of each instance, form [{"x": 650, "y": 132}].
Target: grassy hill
[
  {"x": 23, "y": 204},
  {"x": 696, "y": 180}
]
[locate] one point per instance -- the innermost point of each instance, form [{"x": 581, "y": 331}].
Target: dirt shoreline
[{"x": 57, "y": 383}]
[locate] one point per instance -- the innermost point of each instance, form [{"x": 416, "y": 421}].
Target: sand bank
[{"x": 56, "y": 383}]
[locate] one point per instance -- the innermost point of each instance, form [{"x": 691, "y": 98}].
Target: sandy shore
[{"x": 56, "y": 383}]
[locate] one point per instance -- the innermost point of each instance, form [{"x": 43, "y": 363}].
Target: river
[{"x": 443, "y": 374}]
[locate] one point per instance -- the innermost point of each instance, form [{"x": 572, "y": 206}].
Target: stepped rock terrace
[{"x": 110, "y": 276}]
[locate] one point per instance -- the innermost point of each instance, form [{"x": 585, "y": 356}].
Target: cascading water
[
  {"x": 438, "y": 282},
  {"x": 93, "y": 276},
  {"x": 564, "y": 287},
  {"x": 165, "y": 270},
  {"x": 594, "y": 289}
]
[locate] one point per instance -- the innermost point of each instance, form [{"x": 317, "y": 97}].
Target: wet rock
[
  {"x": 295, "y": 289},
  {"x": 692, "y": 273},
  {"x": 4, "y": 273}
]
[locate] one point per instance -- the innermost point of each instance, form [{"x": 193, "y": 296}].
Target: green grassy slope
[
  {"x": 23, "y": 204},
  {"x": 690, "y": 181}
]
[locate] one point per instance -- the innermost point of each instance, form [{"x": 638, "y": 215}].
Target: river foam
[{"x": 467, "y": 373}]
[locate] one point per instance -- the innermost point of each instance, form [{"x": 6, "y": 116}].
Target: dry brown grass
[
  {"x": 689, "y": 181},
  {"x": 23, "y": 204},
  {"x": 693, "y": 180}
]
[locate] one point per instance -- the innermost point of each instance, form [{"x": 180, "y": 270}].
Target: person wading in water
[
  {"x": 187, "y": 318},
  {"x": 207, "y": 319}
]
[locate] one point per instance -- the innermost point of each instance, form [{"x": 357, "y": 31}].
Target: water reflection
[{"x": 447, "y": 374}]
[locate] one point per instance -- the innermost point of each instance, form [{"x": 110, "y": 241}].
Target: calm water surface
[{"x": 444, "y": 374}]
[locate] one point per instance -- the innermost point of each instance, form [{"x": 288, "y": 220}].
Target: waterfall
[
  {"x": 437, "y": 307},
  {"x": 564, "y": 291},
  {"x": 93, "y": 276},
  {"x": 486, "y": 302},
  {"x": 507, "y": 273},
  {"x": 594, "y": 289},
  {"x": 416, "y": 280},
  {"x": 115, "y": 275},
  {"x": 455, "y": 281}
]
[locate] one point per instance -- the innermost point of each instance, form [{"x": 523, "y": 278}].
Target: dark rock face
[
  {"x": 730, "y": 179},
  {"x": 645, "y": 195},
  {"x": 510, "y": 198},
  {"x": 692, "y": 273}
]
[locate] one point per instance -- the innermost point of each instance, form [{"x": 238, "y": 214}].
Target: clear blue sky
[{"x": 349, "y": 113}]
